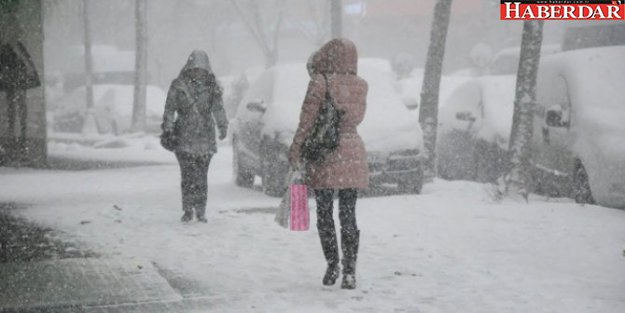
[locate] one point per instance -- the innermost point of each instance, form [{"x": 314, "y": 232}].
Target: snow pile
[
  {"x": 114, "y": 104},
  {"x": 498, "y": 108},
  {"x": 137, "y": 148}
]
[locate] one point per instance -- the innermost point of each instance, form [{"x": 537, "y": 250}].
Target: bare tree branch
[
  {"x": 248, "y": 25},
  {"x": 258, "y": 28}
]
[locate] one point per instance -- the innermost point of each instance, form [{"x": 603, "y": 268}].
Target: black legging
[
  {"x": 194, "y": 184},
  {"x": 347, "y": 208}
]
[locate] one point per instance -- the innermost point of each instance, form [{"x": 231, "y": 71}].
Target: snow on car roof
[
  {"x": 490, "y": 99},
  {"x": 388, "y": 125}
]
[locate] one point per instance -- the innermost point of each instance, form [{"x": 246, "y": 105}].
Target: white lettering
[
  {"x": 528, "y": 11},
  {"x": 568, "y": 12},
  {"x": 556, "y": 12},
  {"x": 613, "y": 12},
  {"x": 588, "y": 10},
  {"x": 599, "y": 11},
  {"x": 543, "y": 12},
  {"x": 509, "y": 9}
]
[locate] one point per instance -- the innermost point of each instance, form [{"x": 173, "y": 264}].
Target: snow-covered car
[
  {"x": 112, "y": 111},
  {"x": 475, "y": 121},
  {"x": 579, "y": 130},
  {"x": 266, "y": 121},
  {"x": 410, "y": 87},
  {"x": 474, "y": 129}
]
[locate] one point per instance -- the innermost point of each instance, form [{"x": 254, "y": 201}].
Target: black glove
[
  {"x": 223, "y": 132},
  {"x": 169, "y": 140}
]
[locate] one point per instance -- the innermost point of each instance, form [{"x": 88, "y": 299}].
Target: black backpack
[{"x": 324, "y": 138}]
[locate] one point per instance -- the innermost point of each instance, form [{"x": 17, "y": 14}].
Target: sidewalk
[
  {"x": 21, "y": 241},
  {"x": 83, "y": 284},
  {"x": 41, "y": 274}
]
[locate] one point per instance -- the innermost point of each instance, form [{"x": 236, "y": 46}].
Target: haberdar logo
[{"x": 562, "y": 10}]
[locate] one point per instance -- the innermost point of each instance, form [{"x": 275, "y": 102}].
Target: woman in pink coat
[{"x": 345, "y": 169}]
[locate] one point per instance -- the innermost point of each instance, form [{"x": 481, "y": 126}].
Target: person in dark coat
[
  {"x": 194, "y": 105},
  {"x": 346, "y": 169},
  {"x": 17, "y": 74}
]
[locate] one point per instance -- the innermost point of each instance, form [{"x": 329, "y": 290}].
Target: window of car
[{"x": 594, "y": 36}]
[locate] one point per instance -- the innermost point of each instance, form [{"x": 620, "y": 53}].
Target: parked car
[
  {"x": 475, "y": 121},
  {"x": 266, "y": 121},
  {"x": 579, "y": 130},
  {"x": 474, "y": 129},
  {"x": 112, "y": 111}
]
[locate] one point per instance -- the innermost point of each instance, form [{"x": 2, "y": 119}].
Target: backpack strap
[{"x": 182, "y": 86}]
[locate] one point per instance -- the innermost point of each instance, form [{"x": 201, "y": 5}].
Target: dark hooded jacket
[
  {"x": 193, "y": 108},
  {"x": 17, "y": 70}
]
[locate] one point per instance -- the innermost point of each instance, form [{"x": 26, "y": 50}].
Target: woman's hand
[{"x": 223, "y": 133}]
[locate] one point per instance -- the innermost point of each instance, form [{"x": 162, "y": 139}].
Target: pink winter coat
[{"x": 346, "y": 167}]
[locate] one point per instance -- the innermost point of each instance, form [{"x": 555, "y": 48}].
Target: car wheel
[
  {"x": 413, "y": 185},
  {"x": 581, "y": 185},
  {"x": 273, "y": 174},
  {"x": 243, "y": 177}
]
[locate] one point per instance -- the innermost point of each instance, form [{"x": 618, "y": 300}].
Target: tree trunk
[
  {"x": 141, "y": 62},
  {"x": 428, "y": 113},
  {"x": 337, "y": 18},
  {"x": 88, "y": 55},
  {"x": 517, "y": 180}
]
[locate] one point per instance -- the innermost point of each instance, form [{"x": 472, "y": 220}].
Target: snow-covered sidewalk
[{"x": 448, "y": 250}]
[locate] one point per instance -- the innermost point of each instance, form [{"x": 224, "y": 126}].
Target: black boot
[
  {"x": 200, "y": 209},
  {"x": 331, "y": 252},
  {"x": 187, "y": 207},
  {"x": 187, "y": 216},
  {"x": 349, "y": 244}
]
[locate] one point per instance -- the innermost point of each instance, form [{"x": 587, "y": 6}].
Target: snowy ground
[{"x": 448, "y": 250}]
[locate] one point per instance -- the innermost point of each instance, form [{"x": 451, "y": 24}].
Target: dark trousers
[
  {"x": 193, "y": 182},
  {"x": 347, "y": 209},
  {"x": 16, "y": 99}
]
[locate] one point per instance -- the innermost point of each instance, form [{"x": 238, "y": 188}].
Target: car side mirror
[
  {"x": 257, "y": 106},
  {"x": 553, "y": 118},
  {"x": 465, "y": 116},
  {"x": 411, "y": 104}
]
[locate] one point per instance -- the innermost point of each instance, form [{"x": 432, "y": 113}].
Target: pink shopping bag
[{"x": 300, "y": 220}]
